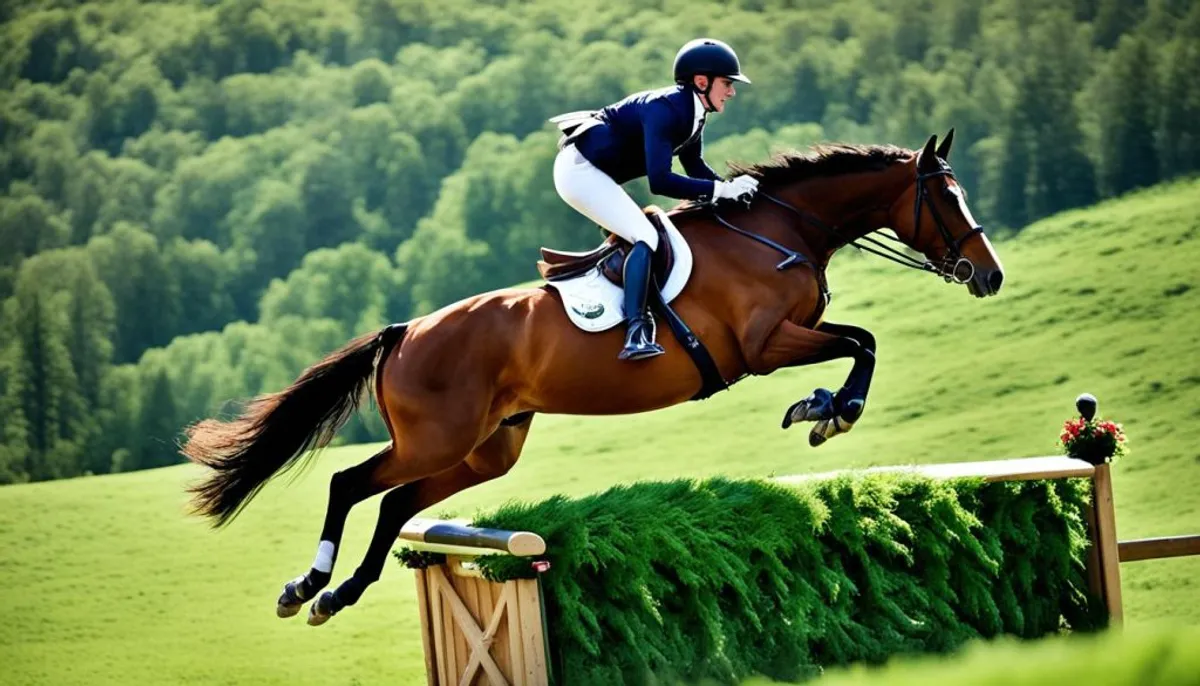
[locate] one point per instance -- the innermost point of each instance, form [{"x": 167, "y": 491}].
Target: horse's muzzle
[{"x": 985, "y": 282}]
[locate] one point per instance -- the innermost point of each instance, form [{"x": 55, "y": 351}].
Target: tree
[
  {"x": 1113, "y": 19},
  {"x": 350, "y": 284},
  {"x": 1062, "y": 175},
  {"x": 1012, "y": 203},
  {"x": 157, "y": 423},
  {"x": 145, "y": 292},
  {"x": 1127, "y": 115},
  {"x": 371, "y": 82},
  {"x": 15, "y": 456},
  {"x": 1179, "y": 131},
  {"x": 120, "y": 402},
  {"x": 204, "y": 284},
  {"x": 50, "y": 401},
  {"x": 28, "y": 225}
]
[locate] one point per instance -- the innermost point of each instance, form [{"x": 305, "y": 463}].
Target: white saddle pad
[{"x": 593, "y": 303}]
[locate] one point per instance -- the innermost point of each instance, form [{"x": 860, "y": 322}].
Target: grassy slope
[
  {"x": 1159, "y": 655},
  {"x": 104, "y": 579}
]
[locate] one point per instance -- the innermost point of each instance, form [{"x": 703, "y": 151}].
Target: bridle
[
  {"x": 953, "y": 246},
  {"x": 949, "y": 267}
]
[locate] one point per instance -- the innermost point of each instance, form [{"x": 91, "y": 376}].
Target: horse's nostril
[{"x": 995, "y": 279}]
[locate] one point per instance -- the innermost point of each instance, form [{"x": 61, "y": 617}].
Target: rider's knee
[{"x": 646, "y": 234}]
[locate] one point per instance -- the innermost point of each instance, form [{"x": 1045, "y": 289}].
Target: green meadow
[{"x": 107, "y": 580}]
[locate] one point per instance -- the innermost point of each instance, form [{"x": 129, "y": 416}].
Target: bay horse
[{"x": 458, "y": 388}]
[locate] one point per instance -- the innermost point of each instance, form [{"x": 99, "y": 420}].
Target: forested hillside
[{"x": 197, "y": 199}]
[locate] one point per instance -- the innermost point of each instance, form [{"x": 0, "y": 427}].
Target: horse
[{"x": 458, "y": 389}]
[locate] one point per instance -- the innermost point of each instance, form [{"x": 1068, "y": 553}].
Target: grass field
[{"x": 104, "y": 580}]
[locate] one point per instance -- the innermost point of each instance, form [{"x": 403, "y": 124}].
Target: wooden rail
[
  {"x": 1022, "y": 469},
  {"x": 457, "y": 537},
  {"x": 1158, "y": 548}
]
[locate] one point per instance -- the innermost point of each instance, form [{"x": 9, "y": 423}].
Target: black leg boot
[{"x": 639, "y": 338}]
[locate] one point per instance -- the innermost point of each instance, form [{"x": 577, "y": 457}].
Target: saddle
[{"x": 609, "y": 256}]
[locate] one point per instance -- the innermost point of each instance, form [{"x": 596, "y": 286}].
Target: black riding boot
[{"x": 639, "y": 338}]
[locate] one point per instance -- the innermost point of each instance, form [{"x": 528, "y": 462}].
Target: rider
[{"x": 636, "y": 137}]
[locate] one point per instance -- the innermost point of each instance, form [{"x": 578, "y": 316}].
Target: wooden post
[
  {"x": 477, "y": 631},
  {"x": 1095, "y": 572},
  {"x": 1106, "y": 542}
]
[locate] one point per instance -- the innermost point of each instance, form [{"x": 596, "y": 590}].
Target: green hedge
[{"x": 722, "y": 579}]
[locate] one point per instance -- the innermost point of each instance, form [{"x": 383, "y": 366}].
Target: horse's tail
[{"x": 276, "y": 430}]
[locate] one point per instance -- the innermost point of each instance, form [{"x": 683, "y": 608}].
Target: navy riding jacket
[{"x": 640, "y": 135}]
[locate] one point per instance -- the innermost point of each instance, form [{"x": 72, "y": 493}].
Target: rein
[{"x": 948, "y": 271}]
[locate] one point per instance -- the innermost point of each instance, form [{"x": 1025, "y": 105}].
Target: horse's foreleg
[
  {"x": 491, "y": 459},
  {"x": 858, "y": 383},
  {"x": 791, "y": 345}
]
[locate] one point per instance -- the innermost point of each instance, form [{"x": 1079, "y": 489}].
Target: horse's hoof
[
  {"x": 289, "y": 602},
  {"x": 284, "y": 610},
  {"x": 324, "y": 608},
  {"x": 815, "y": 407},
  {"x": 827, "y": 429}
]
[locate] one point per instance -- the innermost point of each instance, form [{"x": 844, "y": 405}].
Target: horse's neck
[{"x": 851, "y": 205}]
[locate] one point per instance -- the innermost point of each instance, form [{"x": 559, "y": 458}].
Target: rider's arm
[
  {"x": 692, "y": 159},
  {"x": 656, "y": 122}
]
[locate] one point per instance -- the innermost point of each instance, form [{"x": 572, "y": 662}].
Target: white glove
[{"x": 732, "y": 190}]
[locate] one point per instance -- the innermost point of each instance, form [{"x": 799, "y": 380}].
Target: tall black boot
[{"x": 639, "y": 338}]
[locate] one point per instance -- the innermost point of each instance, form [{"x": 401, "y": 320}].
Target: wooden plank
[
  {"x": 1158, "y": 548},
  {"x": 462, "y": 651},
  {"x": 491, "y": 598},
  {"x": 458, "y": 533},
  {"x": 473, "y": 636},
  {"x": 532, "y": 638},
  {"x": 426, "y": 627},
  {"x": 434, "y": 578},
  {"x": 470, "y": 597},
  {"x": 1022, "y": 469},
  {"x": 451, "y": 653},
  {"x": 1106, "y": 537},
  {"x": 495, "y": 621},
  {"x": 516, "y": 646}
]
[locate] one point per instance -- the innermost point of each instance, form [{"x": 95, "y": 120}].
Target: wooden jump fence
[{"x": 480, "y": 632}]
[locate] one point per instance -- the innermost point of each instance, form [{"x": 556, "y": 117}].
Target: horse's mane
[
  {"x": 831, "y": 159},
  {"x": 819, "y": 161}
]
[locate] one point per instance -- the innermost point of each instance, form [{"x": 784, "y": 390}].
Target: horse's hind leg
[
  {"x": 491, "y": 459},
  {"x": 395, "y": 465},
  {"x": 346, "y": 489}
]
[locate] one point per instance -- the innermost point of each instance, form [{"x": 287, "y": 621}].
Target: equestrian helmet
[{"x": 708, "y": 57}]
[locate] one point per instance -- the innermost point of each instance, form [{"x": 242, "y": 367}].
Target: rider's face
[{"x": 722, "y": 91}]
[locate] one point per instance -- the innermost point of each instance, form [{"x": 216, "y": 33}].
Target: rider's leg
[{"x": 596, "y": 196}]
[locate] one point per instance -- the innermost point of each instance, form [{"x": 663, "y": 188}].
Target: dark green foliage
[
  {"x": 1128, "y": 118},
  {"x": 722, "y": 579},
  {"x": 201, "y": 150}
]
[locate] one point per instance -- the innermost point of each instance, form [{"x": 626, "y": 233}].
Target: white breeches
[{"x": 596, "y": 196}]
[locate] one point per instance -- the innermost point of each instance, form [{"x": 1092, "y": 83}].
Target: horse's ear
[
  {"x": 929, "y": 154},
  {"x": 943, "y": 150}
]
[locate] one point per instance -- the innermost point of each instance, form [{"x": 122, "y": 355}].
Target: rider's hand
[{"x": 732, "y": 190}]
